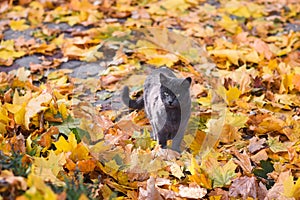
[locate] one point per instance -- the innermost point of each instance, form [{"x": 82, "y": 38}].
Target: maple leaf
[
  {"x": 168, "y": 6},
  {"x": 244, "y": 9},
  {"x": 83, "y": 5},
  {"x": 243, "y": 186},
  {"x": 176, "y": 170},
  {"x": 231, "y": 26},
  {"x": 276, "y": 146},
  {"x": 193, "y": 191},
  {"x": 256, "y": 144},
  {"x": 38, "y": 189},
  {"x": 78, "y": 151},
  {"x": 291, "y": 188},
  {"x": 36, "y": 105},
  {"x": 48, "y": 168},
  {"x": 11, "y": 182},
  {"x": 8, "y": 53},
  {"x": 197, "y": 175},
  {"x": 4, "y": 119},
  {"x": 243, "y": 161},
  {"x": 220, "y": 175},
  {"x": 18, "y": 25},
  {"x": 151, "y": 191}
]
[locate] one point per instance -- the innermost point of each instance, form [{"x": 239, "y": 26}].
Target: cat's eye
[{"x": 166, "y": 94}]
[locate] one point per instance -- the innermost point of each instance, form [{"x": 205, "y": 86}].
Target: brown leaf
[
  {"x": 256, "y": 144},
  {"x": 46, "y": 139},
  {"x": 18, "y": 144},
  {"x": 243, "y": 161},
  {"x": 193, "y": 191},
  {"x": 244, "y": 187},
  {"x": 229, "y": 134},
  {"x": 166, "y": 193},
  {"x": 277, "y": 191},
  {"x": 261, "y": 155},
  {"x": 218, "y": 193},
  {"x": 151, "y": 192},
  {"x": 11, "y": 183},
  {"x": 261, "y": 47}
]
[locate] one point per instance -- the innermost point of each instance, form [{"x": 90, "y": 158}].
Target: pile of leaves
[{"x": 63, "y": 136}]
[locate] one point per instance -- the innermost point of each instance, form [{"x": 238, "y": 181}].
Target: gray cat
[{"x": 167, "y": 104}]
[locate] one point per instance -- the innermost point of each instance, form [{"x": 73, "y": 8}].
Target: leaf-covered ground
[{"x": 64, "y": 134}]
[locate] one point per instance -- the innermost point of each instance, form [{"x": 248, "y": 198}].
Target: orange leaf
[
  {"x": 70, "y": 165},
  {"x": 296, "y": 81},
  {"x": 46, "y": 139},
  {"x": 86, "y": 165}
]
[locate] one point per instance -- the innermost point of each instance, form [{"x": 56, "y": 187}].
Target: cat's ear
[
  {"x": 163, "y": 79},
  {"x": 187, "y": 82}
]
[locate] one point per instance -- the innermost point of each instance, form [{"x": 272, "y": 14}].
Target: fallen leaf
[
  {"x": 244, "y": 187},
  {"x": 35, "y": 106},
  {"x": 48, "y": 168},
  {"x": 150, "y": 192},
  {"x": 38, "y": 188},
  {"x": 291, "y": 188},
  {"x": 220, "y": 175},
  {"x": 277, "y": 146},
  {"x": 259, "y": 156},
  {"x": 18, "y": 25},
  {"x": 256, "y": 144},
  {"x": 193, "y": 191},
  {"x": 243, "y": 160}
]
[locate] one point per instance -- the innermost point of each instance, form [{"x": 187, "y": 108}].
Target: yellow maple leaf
[
  {"x": 198, "y": 176},
  {"x": 7, "y": 51},
  {"x": 78, "y": 151},
  {"x": 63, "y": 110},
  {"x": 3, "y": 115},
  {"x": 63, "y": 145},
  {"x": 287, "y": 83},
  {"x": 291, "y": 189},
  {"x": 18, "y": 106},
  {"x": 48, "y": 168},
  {"x": 206, "y": 101},
  {"x": 244, "y": 9},
  {"x": 81, "y": 5},
  {"x": 161, "y": 60},
  {"x": 231, "y": 54},
  {"x": 168, "y": 6},
  {"x": 251, "y": 56},
  {"x": 4, "y": 119},
  {"x": 35, "y": 105},
  {"x": 38, "y": 189},
  {"x": 175, "y": 5},
  {"x": 18, "y": 25},
  {"x": 232, "y": 95},
  {"x": 230, "y": 25},
  {"x": 220, "y": 175},
  {"x": 18, "y": 111}
]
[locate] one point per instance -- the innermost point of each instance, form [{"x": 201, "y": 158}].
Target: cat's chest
[{"x": 173, "y": 115}]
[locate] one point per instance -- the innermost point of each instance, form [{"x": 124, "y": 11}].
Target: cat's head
[{"x": 174, "y": 91}]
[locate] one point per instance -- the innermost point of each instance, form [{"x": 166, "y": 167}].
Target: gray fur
[{"x": 167, "y": 104}]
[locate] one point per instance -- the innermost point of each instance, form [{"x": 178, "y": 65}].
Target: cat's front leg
[{"x": 162, "y": 139}]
